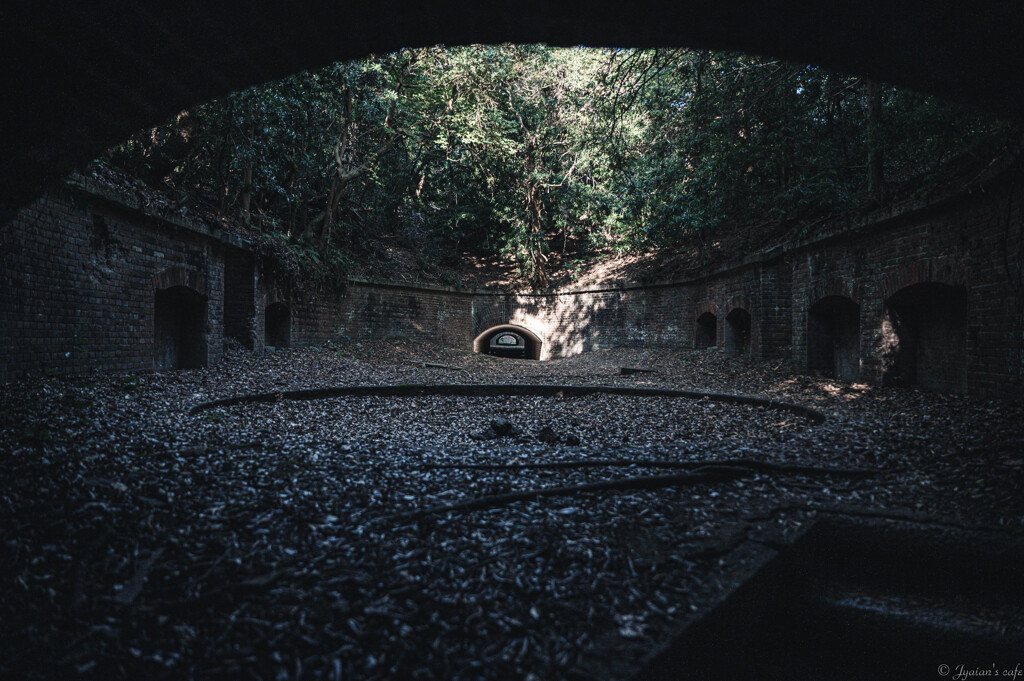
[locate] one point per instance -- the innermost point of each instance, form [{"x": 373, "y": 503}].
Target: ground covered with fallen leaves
[{"x": 288, "y": 540}]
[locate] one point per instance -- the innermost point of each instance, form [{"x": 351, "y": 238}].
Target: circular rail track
[{"x": 493, "y": 390}]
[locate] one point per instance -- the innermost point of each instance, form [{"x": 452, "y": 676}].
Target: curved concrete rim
[{"x": 496, "y": 389}]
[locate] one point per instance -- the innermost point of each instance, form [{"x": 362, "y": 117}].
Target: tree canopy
[{"x": 526, "y": 149}]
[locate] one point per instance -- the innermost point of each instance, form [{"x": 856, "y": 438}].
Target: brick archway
[
  {"x": 925, "y": 328},
  {"x": 832, "y": 287},
  {"x": 705, "y": 307},
  {"x": 535, "y": 343},
  {"x": 277, "y": 324},
  {"x": 738, "y": 301},
  {"x": 833, "y": 337},
  {"x": 180, "y": 276},
  {"x": 180, "y": 319},
  {"x": 941, "y": 270},
  {"x": 737, "y": 331}
]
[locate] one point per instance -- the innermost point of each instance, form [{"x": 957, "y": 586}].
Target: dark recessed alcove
[
  {"x": 705, "y": 333},
  {"x": 239, "y": 296},
  {"x": 833, "y": 338},
  {"x": 278, "y": 325},
  {"x": 928, "y": 337},
  {"x": 737, "y": 332},
  {"x": 179, "y": 329}
]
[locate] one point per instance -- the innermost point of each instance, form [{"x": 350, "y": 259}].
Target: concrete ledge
[
  {"x": 491, "y": 390},
  {"x": 136, "y": 202}
]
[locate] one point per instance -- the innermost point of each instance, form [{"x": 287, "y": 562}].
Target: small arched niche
[
  {"x": 277, "y": 326},
  {"x": 509, "y": 340},
  {"x": 706, "y": 332},
  {"x": 179, "y": 329},
  {"x": 833, "y": 338},
  {"x": 925, "y": 330},
  {"x": 737, "y": 332}
]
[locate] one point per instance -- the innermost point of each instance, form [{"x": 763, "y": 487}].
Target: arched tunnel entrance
[
  {"x": 926, "y": 325},
  {"x": 705, "y": 335},
  {"x": 833, "y": 338},
  {"x": 179, "y": 329},
  {"x": 737, "y": 332},
  {"x": 509, "y": 340},
  {"x": 278, "y": 326}
]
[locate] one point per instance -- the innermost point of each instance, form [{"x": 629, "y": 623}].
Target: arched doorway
[
  {"x": 179, "y": 329},
  {"x": 277, "y": 326},
  {"x": 833, "y": 338},
  {"x": 737, "y": 332},
  {"x": 706, "y": 334},
  {"x": 926, "y": 329}
]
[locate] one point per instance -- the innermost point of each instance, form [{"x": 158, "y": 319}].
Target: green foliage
[{"x": 521, "y": 149}]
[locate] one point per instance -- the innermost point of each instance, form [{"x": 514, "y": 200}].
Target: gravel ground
[{"x": 268, "y": 541}]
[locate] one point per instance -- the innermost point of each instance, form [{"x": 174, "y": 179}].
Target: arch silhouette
[
  {"x": 927, "y": 327},
  {"x": 86, "y": 77},
  {"x": 179, "y": 328}
]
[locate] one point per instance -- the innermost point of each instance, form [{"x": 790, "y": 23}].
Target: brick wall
[
  {"x": 971, "y": 245},
  {"x": 79, "y": 281},
  {"x": 317, "y": 315},
  {"x": 80, "y": 273},
  {"x": 378, "y": 310}
]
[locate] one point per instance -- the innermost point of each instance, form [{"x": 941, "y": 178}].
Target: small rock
[
  {"x": 502, "y": 426},
  {"x": 572, "y": 440},
  {"x": 547, "y": 435},
  {"x": 499, "y": 427},
  {"x": 485, "y": 434}
]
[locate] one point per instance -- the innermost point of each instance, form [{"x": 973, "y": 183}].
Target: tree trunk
[
  {"x": 536, "y": 238},
  {"x": 247, "y": 194},
  {"x": 247, "y": 182},
  {"x": 876, "y": 158}
]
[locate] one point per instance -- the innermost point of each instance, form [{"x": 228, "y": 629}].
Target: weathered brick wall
[
  {"x": 567, "y": 324},
  {"x": 661, "y": 315},
  {"x": 378, "y": 310},
  {"x": 967, "y": 246},
  {"x": 79, "y": 281},
  {"x": 775, "y": 310},
  {"x": 572, "y": 322},
  {"x": 725, "y": 292},
  {"x": 970, "y": 243},
  {"x": 79, "y": 276},
  {"x": 317, "y": 315}
]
